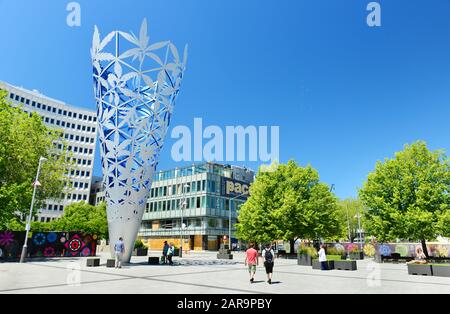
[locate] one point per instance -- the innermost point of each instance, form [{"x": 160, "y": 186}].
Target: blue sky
[{"x": 344, "y": 95}]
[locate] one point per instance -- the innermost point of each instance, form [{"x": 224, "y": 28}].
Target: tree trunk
[
  {"x": 292, "y": 246},
  {"x": 424, "y": 247}
]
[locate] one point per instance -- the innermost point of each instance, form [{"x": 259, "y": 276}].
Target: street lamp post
[
  {"x": 348, "y": 226},
  {"x": 229, "y": 221},
  {"x": 27, "y": 228},
  {"x": 359, "y": 229},
  {"x": 183, "y": 205}
]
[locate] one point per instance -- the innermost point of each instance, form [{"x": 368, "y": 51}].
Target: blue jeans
[{"x": 324, "y": 265}]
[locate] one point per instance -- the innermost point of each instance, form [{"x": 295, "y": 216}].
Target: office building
[
  {"x": 203, "y": 196},
  {"x": 79, "y": 127}
]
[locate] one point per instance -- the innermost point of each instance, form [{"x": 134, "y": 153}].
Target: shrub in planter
[
  {"x": 354, "y": 252},
  {"x": 336, "y": 250},
  {"x": 140, "y": 249},
  {"x": 305, "y": 255}
]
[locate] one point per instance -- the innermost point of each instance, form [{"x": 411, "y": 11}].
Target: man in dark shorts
[{"x": 268, "y": 256}]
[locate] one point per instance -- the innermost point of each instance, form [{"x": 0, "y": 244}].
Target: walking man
[
  {"x": 165, "y": 250},
  {"x": 268, "y": 256},
  {"x": 251, "y": 260},
  {"x": 119, "y": 249}
]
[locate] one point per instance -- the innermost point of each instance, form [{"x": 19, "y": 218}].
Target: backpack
[{"x": 268, "y": 256}]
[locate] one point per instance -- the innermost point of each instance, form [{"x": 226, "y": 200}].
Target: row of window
[
  {"x": 79, "y": 138},
  {"x": 80, "y": 150},
  {"x": 80, "y": 162},
  {"x": 77, "y": 197},
  {"x": 76, "y": 149},
  {"x": 179, "y": 189},
  {"x": 68, "y": 125},
  {"x": 55, "y": 207},
  {"x": 191, "y": 203},
  {"x": 80, "y": 185},
  {"x": 80, "y": 173},
  {"x": 66, "y": 113}
]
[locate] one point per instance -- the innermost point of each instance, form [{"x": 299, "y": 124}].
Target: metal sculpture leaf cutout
[{"x": 134, "y": 107}]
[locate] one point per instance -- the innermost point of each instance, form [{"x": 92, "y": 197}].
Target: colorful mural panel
[{"x": 47, "y": 244}]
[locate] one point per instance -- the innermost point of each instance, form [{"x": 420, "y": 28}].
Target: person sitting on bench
[{"x": 420, "y": 257}]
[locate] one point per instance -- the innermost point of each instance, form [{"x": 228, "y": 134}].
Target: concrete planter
[
  {"x": 304, "y": 260},
  {"x": 224, "y": 256},
  {"x": 345, "y": 265},
  {"x": 420, "y": 270},
  {"x": 441, "y": 270},
  {"x": 316, "y": 265},
  {"x": 110, "y": 263},
  {"x": 153, "y": 260},
  {"x": 93, "y": 262},
  {"x": 356, "y": 256}
]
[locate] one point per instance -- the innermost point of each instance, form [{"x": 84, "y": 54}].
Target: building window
[
  {"x": 33, "y": 104},
  {"x": 38, "y": 106},
  {"x": 52, "y": 121},
  {"x": 54, "y": 110},
  {"x": 91, "y": 151},
  {"x": 198, "y": 202},
  {"x": 42, "y": 219},
  {"x": 11, "y": 96},
  {"x": 77, "y": 138},
  {"x": 82, "y": 139},
  {"x": 65, "y": 113},
  {"x": 58, "y": 122},
  {"x": 49, "y": 108},
  {"x": 70, "y": 114},
  {"x": 63, "y": 124},
  {"x": 61, "y": 208},
  {"x": 48, "y": 219},
  {"x": 78, "y": 127},
  {"x": 27, "y": 101},
  {"x": 84, "y": 197},
  {"x": 50, "y": 207},
  {"x": 59, "y": 111}
]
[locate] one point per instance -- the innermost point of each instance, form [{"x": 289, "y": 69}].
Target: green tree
[
  {"x": 408, "y": 196},
  {"x": 288, "y": 203},
  {"x": 349, "y": 209},
  {"x": 85, "y": 218},
  {"x": 23, "y": 140}
]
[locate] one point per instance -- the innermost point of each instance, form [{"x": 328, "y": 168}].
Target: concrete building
[
  {"x": 79, "y": 127},
  {"x": 207, "y": 193}
]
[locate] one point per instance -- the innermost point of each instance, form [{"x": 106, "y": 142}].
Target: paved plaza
[{"x": 202, "y": 273}]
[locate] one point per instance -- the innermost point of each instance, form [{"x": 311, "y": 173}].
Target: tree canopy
[
  {"x": 408, "y": 196},
  {"x": 23, "y": 140},
  {"x": 286, "y": 203},
  {"x": 349, "y": 209}
]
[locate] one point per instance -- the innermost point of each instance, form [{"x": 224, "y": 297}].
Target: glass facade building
[
  {"x": 79, "y": 129},
  {"x": 203, "y": 195}
]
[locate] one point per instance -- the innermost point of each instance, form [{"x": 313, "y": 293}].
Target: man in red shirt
[{"x": 251, "y": 259}]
